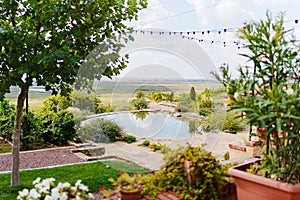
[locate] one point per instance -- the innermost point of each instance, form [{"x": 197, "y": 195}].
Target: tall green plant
[
  {"x": 268, "y": 93},
  {"x": 47, "y": 42}
]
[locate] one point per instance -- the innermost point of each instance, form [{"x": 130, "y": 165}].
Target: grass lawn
[{"x": 93, "y": 174}]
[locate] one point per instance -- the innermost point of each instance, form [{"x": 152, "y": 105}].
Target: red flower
[
  {"x": 122, "y": 172},
  {"x": 135, "y": 175},
  {"x": 102, "y": 188},
  {"x": 150, "y": 174}
]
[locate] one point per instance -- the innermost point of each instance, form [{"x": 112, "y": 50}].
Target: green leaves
[{"x": 268, "y": 93}]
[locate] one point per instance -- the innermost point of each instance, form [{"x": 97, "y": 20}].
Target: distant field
[{"x": 118, "y": 93}]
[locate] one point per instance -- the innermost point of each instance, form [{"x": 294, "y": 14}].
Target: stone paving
[{"x": 216, "y": 142}]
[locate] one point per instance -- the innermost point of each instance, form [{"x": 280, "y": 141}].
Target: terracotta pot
[
  {"x": 127, "y": 195},
  {"x": 250, "y": 186}
]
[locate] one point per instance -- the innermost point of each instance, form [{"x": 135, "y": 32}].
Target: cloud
[
  {"x": 212, "y": 13},
  {"x": 150, "y": 17}
]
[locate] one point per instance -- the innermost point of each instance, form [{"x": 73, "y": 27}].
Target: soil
[{"x": 41, "y": 158}]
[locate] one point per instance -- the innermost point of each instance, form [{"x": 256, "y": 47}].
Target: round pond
[{"x": 156, "y": 125}]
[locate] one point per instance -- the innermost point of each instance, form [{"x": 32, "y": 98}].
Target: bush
[
  {"x": 57, "y": 102},
  {"x": 58, "y": 128},
  {"x": 160, "y": 96},
  {"x": 145, "y": 143},
  {"x": 138, "y": 104},
  {"x": 205, "y": 179},
  {"x": 129, "y": 138},
  {"x": 100, "y": 130},
  {"x": 225, "y": 121},
  {"x": 7, "y": 118}
]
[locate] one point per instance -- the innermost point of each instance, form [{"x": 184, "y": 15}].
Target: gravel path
[{"x": 40, "y": 158}]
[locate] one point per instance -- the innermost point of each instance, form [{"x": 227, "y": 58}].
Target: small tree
[
  {"x": 193, "y": 94},
  {"x": 268, "y": 93},
  {"x": 47, "y": 42}
]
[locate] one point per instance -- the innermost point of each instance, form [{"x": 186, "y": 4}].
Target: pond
[{"x": 156, "y": 125}]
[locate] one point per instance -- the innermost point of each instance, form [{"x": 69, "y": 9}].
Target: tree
[
  {"x": 193, "y": 94},
  {"x": 46, "y": 42}
]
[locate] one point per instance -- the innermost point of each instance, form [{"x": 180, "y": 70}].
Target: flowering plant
[
  {"x": 47, "y": 190},
  {"x": 129, "y": 183}
]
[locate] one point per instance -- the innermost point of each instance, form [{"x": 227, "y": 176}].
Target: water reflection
[{"x": 140, "y": 115}]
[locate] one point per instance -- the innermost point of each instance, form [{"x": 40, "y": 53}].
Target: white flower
[
  {"x": 83, "y": 187},
  {"x": 55, "y": 193},
  {"x": 74, "y": 188},
  {"x": 77, "y": 183},
  {"x": 23, "y": 193},
  {"x": 47, "y": 197},
  {"x": 66, "y": 185},
  {"x": 34, "y": 194},
  {"x": 37, "y": 180},
  {"x": 64, "y": 196}
]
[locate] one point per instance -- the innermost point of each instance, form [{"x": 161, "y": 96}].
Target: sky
[{"x": 190, "y": 59}]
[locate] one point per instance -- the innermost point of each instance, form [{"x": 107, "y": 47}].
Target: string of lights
[{"x": 201, "y": 35}]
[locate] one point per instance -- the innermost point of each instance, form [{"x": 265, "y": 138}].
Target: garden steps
[{"x": 162, "y": 196}]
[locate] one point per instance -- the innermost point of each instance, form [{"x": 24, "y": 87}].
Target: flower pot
[
  {"x": 127, "y": 195},
  {"x": 251, "y": 186}
]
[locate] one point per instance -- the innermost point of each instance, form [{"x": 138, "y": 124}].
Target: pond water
[{"x": 153, "y": 125}]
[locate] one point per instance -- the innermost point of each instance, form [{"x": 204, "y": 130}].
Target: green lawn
[{"x": 94, "y": 175}]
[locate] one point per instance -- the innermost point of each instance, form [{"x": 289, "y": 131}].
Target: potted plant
[
  {"x": 267, "y": 94},
  {"x": 129, "y": 186}
]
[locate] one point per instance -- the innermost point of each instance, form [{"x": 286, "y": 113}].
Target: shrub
[
  {"x": 101, "y": 108},
  {"x": 192, "y": 94},
  {"x": 228, "y": 121},
  {"x": 129, "y": 138},
  {"x": 7, "y": 118},
  {"x": 159, "y": 96},
  {"x": 203, "y": 179},
  {"x": 59, "y": 128},
  {"x": 184, "y": 103},
  {"x": 138, "y": 104},
  {"x": 57, "y": 102},
  {"x": 146, "y": 143},
  {"x": 100, "y": 130}
]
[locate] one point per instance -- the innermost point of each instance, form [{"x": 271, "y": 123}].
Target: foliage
[
  {"x": 159, "y": 96},
  {"x": 100, "y": 130},
  {"x": 204, "y": 102},
  {"x": 203, "y": 179},
  {"x": 71, "y": 173},
  {"x": 7, "y": 113},
  {"x": 184, "y": 103},
  {"x": 139, "y": 94},
  {"x": 227, "y": 156},
  {"x": 57, "y": 102},
  {"x": 138, "y": 104},
  {"x": 85, "y": 101},
  {"x": 129, "y": 138},
  {"x": 145, "y": 143},
  {"x": 225, "y": 121},
  {"x": 58, "y": 128},
  {"x": 192, "y": 94},
  {"x": 129, "y": 183},
  {"x": 102, "y": 108},
  {"x": 47, "y": 189},
  {"x": 269, "y": 93},
  {"x": 48, "y": 42}
]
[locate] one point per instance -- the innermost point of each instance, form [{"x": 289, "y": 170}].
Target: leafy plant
[
  {"x": 7, "y": 113},
  {"x": 58, "y": 128},
  {"x": 203, "y": 178},
  {"x": 100, "y": 130},
  {"x": 146, "y": 143},
  {"x": 129, "y": 183},
  {"x": 269, "y": 94},
  {"x": 129, "y": 138},
  {"x": 138, "y": 104}
]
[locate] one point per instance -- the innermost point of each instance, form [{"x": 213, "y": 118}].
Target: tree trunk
[{"x": 15, "y": 178}]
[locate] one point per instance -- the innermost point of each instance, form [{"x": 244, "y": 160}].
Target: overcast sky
[{"x": 196, "y": 15}]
